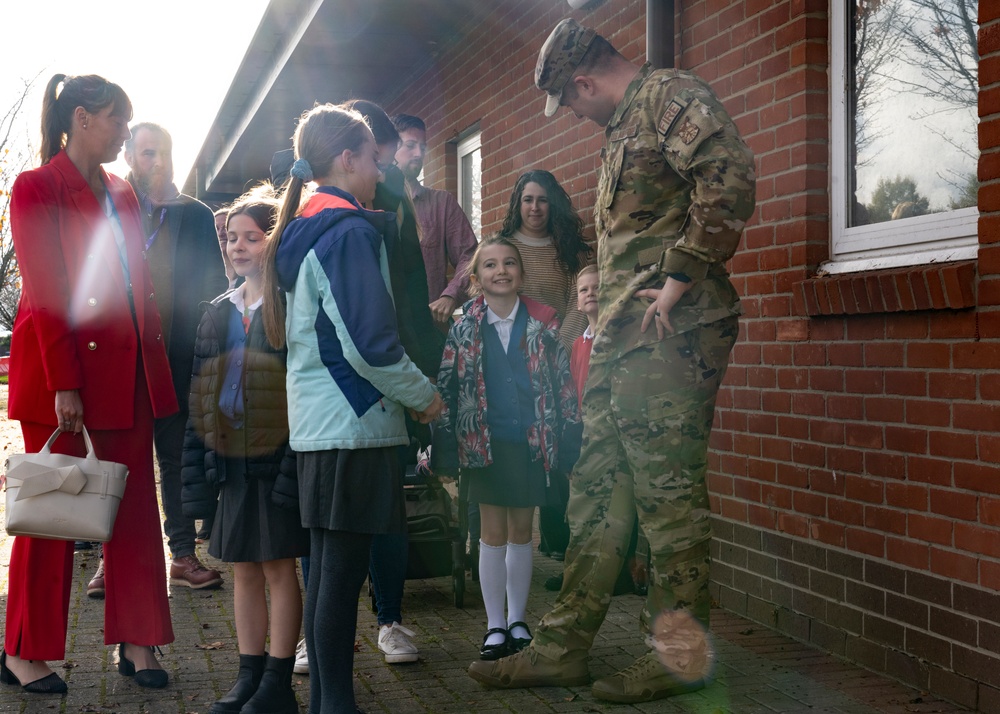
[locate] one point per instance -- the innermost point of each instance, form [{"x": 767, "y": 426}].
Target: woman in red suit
[{"x": 86, "y": 350}]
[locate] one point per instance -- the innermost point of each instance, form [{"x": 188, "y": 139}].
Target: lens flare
[{"x": 683, "y": 645}]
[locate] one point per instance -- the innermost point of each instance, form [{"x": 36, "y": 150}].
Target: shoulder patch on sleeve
[
  {"x": 688, "y": 131},
  {"x": 671, "y": 113}
]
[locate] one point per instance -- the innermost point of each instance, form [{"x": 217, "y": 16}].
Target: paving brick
[{"x": 757, "y": 669}]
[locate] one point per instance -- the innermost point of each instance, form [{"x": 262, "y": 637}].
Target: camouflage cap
[{"x": 558, "y": 59}]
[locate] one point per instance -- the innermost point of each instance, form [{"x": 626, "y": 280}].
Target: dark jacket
[
  {"x": 269, "y": 457},
  {"x": 421, "y": 338},
  {"x": 422, "y": 341},
  {"x": 199, "y": 275}
]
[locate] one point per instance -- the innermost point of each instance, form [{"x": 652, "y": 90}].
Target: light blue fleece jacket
[{"x": 348, "y": 376}]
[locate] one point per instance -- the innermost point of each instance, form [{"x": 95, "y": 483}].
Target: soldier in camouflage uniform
[{"x": 675, "y": 191}]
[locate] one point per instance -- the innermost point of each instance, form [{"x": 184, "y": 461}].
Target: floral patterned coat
[{"x": 462, "y": 436}]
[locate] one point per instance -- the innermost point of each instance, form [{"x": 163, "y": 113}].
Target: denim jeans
[{"x": 387, "y": 570}]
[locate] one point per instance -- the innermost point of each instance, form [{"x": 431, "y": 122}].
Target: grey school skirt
[
  {"x": 353, "y": 490},
  {"x": 249, "y": 527},
  {"x": 513, "y": 479}
]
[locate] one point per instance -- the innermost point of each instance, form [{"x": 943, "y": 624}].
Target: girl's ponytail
[{"x": 273, "y": 307}]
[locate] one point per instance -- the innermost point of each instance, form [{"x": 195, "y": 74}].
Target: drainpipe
[{"x": 660, "y": 33}]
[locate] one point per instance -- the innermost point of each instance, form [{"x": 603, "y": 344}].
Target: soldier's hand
[{"x": 664, "y": 299}]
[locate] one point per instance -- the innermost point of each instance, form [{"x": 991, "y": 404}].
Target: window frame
[
  {"x": 469, "y": 144},
  {"x": 934, "y": 238}
]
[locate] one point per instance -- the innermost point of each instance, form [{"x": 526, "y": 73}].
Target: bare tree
[
  {"x": 15, "y": 157},
  {"x": 877, "y": 40},
  {"x": 943, "y": 33}
]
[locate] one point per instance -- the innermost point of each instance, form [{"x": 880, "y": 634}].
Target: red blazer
[{"x": 74, "y": 327}]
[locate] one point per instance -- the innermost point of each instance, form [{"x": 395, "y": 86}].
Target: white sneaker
[
  {"x": 301, "y": 665},
  {"x": 394, "y": 641}
]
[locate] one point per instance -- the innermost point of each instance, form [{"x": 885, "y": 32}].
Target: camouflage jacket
[{"x": 675, "y": 191}]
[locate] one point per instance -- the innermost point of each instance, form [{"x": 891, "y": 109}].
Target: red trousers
[{"x": 40, "y": 577}]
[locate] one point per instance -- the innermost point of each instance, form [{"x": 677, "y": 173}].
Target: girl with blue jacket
[{"x": 348, "y": 378}]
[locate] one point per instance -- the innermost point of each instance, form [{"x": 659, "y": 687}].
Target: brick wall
[{"x": 854, "y": 471}]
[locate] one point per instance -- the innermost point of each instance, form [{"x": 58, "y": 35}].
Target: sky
[{"x": 174, "y": 58}]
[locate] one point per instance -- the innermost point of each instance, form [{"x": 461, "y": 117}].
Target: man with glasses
[{"x": 445, "y": 233}]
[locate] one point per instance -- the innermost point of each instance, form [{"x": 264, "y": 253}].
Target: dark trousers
[
  {"x": 168, "y": 437},
  {"x": 338, "y": 565}
]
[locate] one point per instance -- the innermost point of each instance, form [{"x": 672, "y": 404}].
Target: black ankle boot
[
  {"x": 275, "y": 694},
  {"x": 247, "y": 681}
]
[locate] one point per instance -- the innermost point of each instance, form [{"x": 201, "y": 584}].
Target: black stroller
[{"x": 437, "y": 529}]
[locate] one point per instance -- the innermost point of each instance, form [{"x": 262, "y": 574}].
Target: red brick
[
  {"x": 793, "y": 524},
  {"x": 911, "y": 441},
  {"x": 825, "y": 532},
  {"x": 866, "y": 542},
  {"x": 976, "y": 539},
  {"x": 952, "y": 444},
  {"x": 863, "y": 488},
  {"x": 913, "y": 497},
  {"x": 947, "y": 502},
  {"x": 907, "y": 552},
  {"x": 926, "y": 470},
  {"x": 989, "y": 574},
  {"x": 843, "y": 511},
  {"x": 929, "y": 528},
  {"x": 983, "y": 478},
  {"x": 888, "y": 520},
  {"x": 955, "y": 566},
  {"x": 989, "y": 511}
]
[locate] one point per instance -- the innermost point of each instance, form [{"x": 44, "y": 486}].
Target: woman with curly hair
[{"x": 548, "y": 232}]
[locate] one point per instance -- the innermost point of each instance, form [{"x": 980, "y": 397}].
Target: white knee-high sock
[
  {"x": 518, "y": 582},
  {"x": 493, "y": 583}
]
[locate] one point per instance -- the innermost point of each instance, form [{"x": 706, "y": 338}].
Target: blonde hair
[
  {"x": 472, "y": 269},
  {"x": 587, "y": 270}
]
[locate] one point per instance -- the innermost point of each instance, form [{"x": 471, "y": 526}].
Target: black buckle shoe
[
  {"x": 518, "y": 643},
  {"x": 493, "y": 652}
]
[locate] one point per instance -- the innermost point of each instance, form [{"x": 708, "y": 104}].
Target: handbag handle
[{"x": 47, "y": 449}]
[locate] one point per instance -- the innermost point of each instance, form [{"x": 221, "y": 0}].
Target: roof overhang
[{"x": 310, "y": 51}]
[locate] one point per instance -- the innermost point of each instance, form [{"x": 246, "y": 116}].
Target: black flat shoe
[
  {"x": 149, "y": 678},
  {"x": 52, "y": 683},
  {"x": 517, "y": 643},
  {"x": 492, "y": 652}
]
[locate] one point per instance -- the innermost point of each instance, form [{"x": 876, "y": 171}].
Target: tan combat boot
[
  {"x": 645, "y": 680},
  {"x": 528, "y": 668}
]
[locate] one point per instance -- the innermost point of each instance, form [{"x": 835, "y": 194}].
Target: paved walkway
[{"x": 757, "y": 669}]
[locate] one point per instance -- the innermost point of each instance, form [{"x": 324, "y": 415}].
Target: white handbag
[{"x": 63, "y": 497}]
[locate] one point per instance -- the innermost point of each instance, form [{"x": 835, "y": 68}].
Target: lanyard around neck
[{"x": 152, "y": 237}]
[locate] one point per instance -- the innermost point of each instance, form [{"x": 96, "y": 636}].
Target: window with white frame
[
  {"x": 470, "y": 184},
  {"x": 904, "y": 101}
]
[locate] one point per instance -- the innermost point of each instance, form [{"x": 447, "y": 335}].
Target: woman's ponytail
[{"x": 54, "y": 124}]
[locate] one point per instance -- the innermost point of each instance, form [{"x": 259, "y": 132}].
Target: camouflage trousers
[{"x": 647, "y": 419}]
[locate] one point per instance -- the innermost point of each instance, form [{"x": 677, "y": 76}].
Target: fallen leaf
[{"x": 212, "y": 646}]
